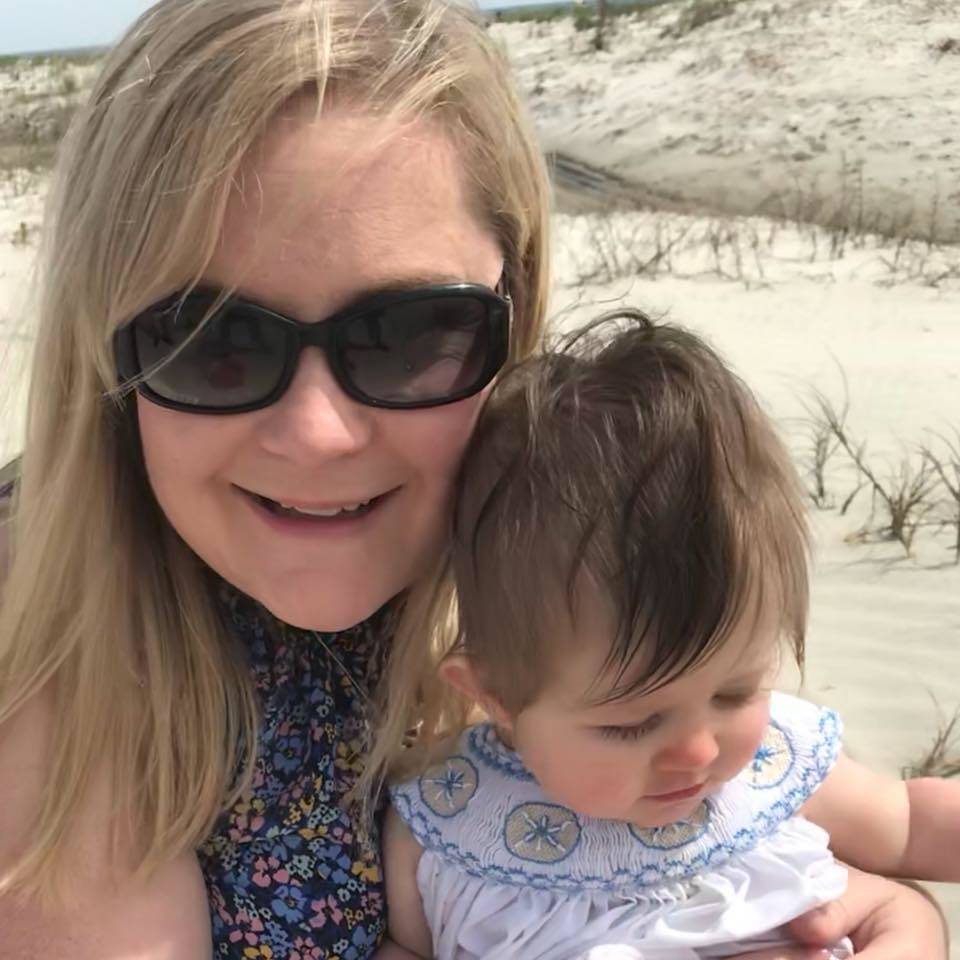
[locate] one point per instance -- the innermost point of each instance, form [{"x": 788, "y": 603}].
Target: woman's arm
[
  {"x": 885, "y": 921},
  {"x": 165, "y": 918},
  {"x": 892, "y": 827}
]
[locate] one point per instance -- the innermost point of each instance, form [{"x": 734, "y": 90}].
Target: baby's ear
[{"x": 458, "y": 671}]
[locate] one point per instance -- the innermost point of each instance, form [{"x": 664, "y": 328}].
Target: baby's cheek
[
  {"x": 746, "y": 737},
  {"x": 593, "y": 786}
]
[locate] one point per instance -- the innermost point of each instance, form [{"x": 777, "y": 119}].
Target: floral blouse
[{"x": 286, "y": 873}]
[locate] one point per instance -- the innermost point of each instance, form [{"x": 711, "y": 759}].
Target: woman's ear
[{"x": 457, "y": 671}]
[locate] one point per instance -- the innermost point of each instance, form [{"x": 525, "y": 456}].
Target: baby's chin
[{"x": 651, "y": 815}]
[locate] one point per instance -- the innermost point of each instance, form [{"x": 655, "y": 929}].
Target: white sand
[{"x": 720, "y": 120}]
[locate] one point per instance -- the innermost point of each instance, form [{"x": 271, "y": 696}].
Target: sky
[
  {"x": 28, "y": 26},
  {"x": 32, "y": 26}
]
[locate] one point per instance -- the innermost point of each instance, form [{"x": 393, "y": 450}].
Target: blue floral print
[{"x": 287, "y": 873}]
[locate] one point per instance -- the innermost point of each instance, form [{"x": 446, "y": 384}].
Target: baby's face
[{"x": 649, "y": 760}]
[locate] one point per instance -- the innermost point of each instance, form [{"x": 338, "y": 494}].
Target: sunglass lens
[
  {"x": 237, "y": 358},
  {"x": 420, "y": 352}
]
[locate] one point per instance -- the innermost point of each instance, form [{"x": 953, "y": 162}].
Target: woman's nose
[
  {"x": 315, "y": 420},
  {"x": 694, "y": 749}
]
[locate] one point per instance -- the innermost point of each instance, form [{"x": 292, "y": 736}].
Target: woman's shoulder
[
  {"x": 99, "y": 905},
  {"x": 24, "y": 749}
]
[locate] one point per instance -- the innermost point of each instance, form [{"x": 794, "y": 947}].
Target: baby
[{"x": 630, "y": 558}]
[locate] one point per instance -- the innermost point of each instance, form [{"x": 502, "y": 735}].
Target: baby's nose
[{"x": 696, "y": 749}]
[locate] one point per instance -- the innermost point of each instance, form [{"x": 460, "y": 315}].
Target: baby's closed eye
[{"x": 634, "y": 731}]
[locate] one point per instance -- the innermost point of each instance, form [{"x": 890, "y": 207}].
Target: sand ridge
[{"x": 775, "y": 101}]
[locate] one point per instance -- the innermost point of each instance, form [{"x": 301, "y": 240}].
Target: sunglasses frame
[{"x": 324, "y": 335}]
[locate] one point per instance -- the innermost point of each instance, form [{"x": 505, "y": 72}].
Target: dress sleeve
[{"x": 798, "y": 751}]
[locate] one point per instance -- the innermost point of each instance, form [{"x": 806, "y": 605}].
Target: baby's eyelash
[
  {"x": 735, "y": 699},
  {"x": 635, "y": 732}
]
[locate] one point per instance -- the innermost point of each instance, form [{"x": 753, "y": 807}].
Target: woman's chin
[
  {"x": 325, "y": 598},
  {"x": 322, "y": 612}
]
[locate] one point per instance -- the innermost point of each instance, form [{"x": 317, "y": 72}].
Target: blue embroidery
[
  {"x": 773, "y": 761},
  {"x": 489, "y": 749},
  {"x": 541, "y": 832},
  {"x": 672, "y": 836},
  {"x": 430, "y": 838},
  {"x": 447, "y": 788}
]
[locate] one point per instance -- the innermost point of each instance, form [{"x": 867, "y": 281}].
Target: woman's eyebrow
[
  {"x": 410, "y": 282},
  {"x": 397, "y": 284}
]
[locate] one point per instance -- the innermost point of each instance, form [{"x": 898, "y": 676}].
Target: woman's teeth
[{"x": 348, "y": 510}]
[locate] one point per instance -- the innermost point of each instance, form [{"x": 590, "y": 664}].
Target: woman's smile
[{"x": 346, "y": 517}]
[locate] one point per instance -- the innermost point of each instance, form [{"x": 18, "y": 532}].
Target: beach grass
[
  {"x": 942, "y": 759},
  {"x": 545, "y": 12},
  {"x": 53, "y": 58}
]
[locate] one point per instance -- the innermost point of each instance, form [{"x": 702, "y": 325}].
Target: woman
[{"x": 203, "y": 573}]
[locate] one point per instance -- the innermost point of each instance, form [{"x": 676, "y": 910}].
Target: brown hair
[{"x": 632, "y": 455}]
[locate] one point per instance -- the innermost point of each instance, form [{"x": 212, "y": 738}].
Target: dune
[{"x": 776, "y": 102}]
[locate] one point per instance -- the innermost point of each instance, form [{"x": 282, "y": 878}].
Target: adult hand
[{"x": 884, "y": 919}]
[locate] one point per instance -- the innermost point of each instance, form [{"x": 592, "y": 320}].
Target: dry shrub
[
  {"x": 944, "y": 461},
  {"x": 643, "y": 248},
  {"x": 904, "y": 495},
  {"x": 29, "y": 140},
  {"x": 699, "y": 13},
  {"x": 941, "y": 759},
  {"x": 820, "y": 446},
  {"x": 945, "y": 46},
  {"x": 22, "y": 235}
]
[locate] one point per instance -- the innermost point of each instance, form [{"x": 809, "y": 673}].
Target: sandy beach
[{"x": 729, "y": 144}]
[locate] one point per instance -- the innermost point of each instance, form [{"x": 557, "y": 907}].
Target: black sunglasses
[{"x": 398, "y": 349}]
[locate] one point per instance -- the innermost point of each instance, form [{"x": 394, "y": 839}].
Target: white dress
[{"x": 506, "y": 873}]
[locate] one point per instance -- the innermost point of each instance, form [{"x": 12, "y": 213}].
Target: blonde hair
[
  {"x": 104, "y": 605},
  {"x": 634, "y": 462}
]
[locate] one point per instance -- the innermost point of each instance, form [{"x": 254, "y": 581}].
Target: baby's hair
[{"x": 631, "y": 460}]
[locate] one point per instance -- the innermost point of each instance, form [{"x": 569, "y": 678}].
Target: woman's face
[{"x": 326, "y": 211}]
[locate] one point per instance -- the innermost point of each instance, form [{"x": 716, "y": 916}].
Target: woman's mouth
[
  {"x": 342, "y": 511},
  {"x": 303, "y": 517}
]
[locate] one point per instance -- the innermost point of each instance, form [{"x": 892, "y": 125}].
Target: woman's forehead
[{"x": 348, "y": 202}]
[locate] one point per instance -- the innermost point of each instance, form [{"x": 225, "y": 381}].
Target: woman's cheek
[{"x": 438, "y": 435}]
